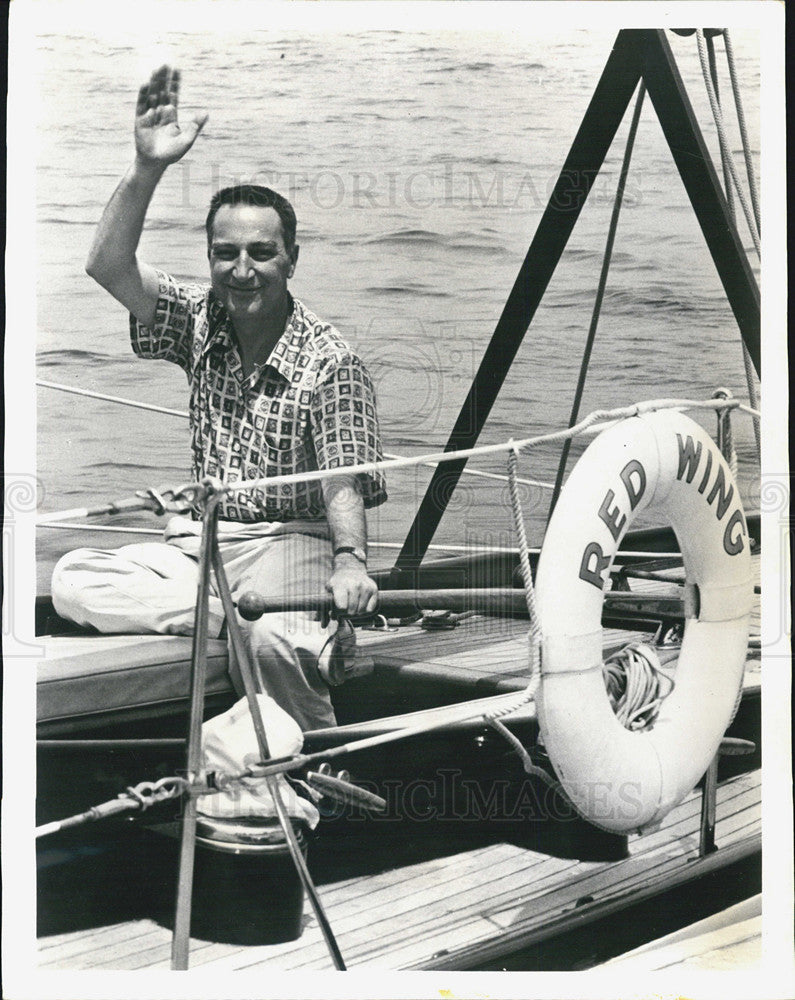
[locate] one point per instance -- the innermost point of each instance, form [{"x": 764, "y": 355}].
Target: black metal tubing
[
  {"x": 694, "y": 163},
  {"x": 588, "y": 151}
]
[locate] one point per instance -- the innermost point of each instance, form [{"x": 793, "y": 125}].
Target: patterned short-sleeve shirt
[{"x": 310, "y": 406}]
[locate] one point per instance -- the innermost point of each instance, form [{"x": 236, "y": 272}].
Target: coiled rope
[{"x": 634, "y": 682}]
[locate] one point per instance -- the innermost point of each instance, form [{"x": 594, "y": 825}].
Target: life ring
[{"x": 665, "y": 464}]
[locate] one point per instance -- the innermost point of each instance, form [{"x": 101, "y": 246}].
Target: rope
[
  {"x": 534, "y": 637},
  {"x": 600, "y": 291},
  {"x": 99, "y": 527},
  {"x": 728, "y": 165},
  {"x": 596, "y": 421},
  {"x": 726, "y": 445},
  {"x": 140, "y": 796},
  {"x": 524, "y": 550},
  {"x": 738, "y": 104},
  {"x": 713, "y": 72},
  {"x": 111, "y": 399},
  {"x": 725, "y": 435},
  {"x": 723, "y": 142},
  {"x": 753, "y": 395},
  {"x": 136, "y": 405},
  {"x": 634, "y": 681},
  {"x": 588, "y": 425}
]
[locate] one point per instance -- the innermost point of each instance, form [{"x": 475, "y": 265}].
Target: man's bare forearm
[
  {"x": 119, "y": 230},
  {"x": 345, "y": 512},
  {"x": 354, "y": 591}
]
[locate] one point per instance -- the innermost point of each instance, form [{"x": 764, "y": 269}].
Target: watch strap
[{"x": 359, "y": 554}]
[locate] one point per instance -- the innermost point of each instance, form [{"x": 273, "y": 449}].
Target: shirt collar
[{"x": 284, "y": 356}]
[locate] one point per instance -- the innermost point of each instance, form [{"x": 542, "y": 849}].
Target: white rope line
[
  {"x": 620, "y": 413},
  {"x": 99, "y": 527},
  {"x": 719, "y": 124},
  {"x": 137, "y": 405},
  {"x": 728, "y": 168},
  {"x": 595, "y": 421},
  {"x": 475, "y": 549},
  {"x": 111, "y": 399},
  {"x": 438, "y": 547},
  {"x": 738, "y": 104},
  {"x": 725, "y": 435},
  {"x": 750, "y": 372},
  {"x": 484, "y": 475},
  {"x": 534, "y": 636},
  {"x": 753, "y": 395}
]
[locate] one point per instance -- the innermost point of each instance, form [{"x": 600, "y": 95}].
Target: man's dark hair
[{"x": 254, "y": 194}]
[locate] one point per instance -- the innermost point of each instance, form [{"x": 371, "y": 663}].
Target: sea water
[{"x": 419, "y": 163}]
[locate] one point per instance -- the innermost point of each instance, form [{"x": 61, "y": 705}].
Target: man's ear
[{"x": 294, "y": 259}]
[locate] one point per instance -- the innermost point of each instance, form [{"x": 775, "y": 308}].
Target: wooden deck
[
  {"x": 446, "y": 904},
  {"x": 450, "y": 912}
]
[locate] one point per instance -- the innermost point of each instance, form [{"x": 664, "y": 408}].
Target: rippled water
[{"x": 419, "y": 163}]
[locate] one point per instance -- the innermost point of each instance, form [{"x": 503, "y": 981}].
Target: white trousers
[{"x": 151, "y": 587}]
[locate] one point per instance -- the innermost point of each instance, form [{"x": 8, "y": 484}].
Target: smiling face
[{"x": 250, "y": 265}]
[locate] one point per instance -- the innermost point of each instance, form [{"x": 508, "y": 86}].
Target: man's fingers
[
  {"x": 358, "y": 600},
  {"x": 142, "y": 104},
  {"x": 341, "y": 598},
  {"x": 156, "y": 84},
  {"x": 163, "y": 88},
  {"x": 172, "y": 87}
]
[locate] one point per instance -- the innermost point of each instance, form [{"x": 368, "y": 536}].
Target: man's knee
[{"x": 68, "y": 579}]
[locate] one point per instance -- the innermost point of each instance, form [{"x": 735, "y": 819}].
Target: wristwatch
[{"x": 359, "y": 554}]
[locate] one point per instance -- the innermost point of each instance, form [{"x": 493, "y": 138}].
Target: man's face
[{"x": 249, "y": 263}]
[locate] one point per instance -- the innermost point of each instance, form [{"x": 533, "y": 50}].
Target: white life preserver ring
[{"x": 666, "y": 464}]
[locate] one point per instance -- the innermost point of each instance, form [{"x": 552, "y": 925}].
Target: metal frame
[
  {"x": 637, "y": 54},
  {"x": 210, "y": 560}
]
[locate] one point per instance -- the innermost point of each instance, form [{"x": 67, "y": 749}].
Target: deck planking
[
  {"x": 417, "y": 915},
  {"x": 401, "y": 918}
]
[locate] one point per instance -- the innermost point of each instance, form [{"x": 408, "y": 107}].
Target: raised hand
[{"x": 158, "y": 136}]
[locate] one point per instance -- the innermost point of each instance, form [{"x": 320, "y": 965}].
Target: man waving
[{"x": 273, "y": 390}]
